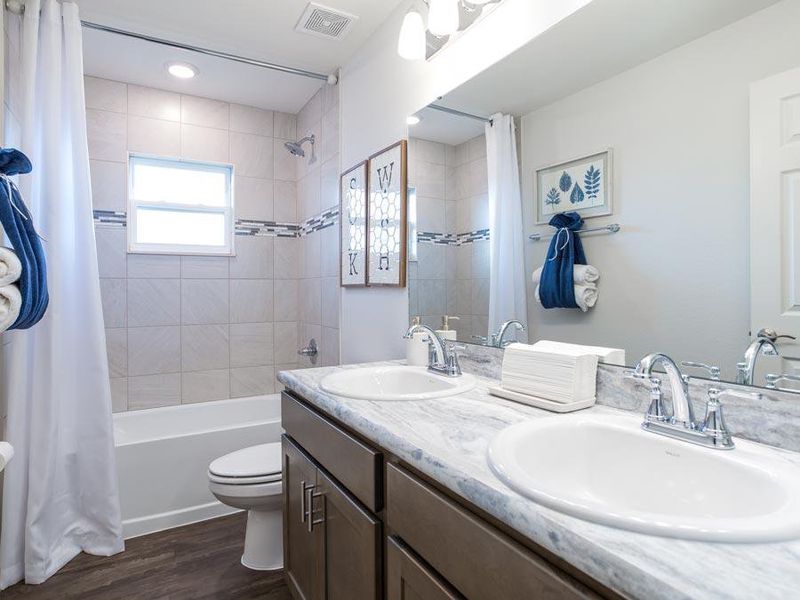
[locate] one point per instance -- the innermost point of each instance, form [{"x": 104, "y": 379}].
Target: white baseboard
[{"x": 132, "y": 528}]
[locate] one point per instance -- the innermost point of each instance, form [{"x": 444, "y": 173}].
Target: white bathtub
[{"x": 163, "y": 456}]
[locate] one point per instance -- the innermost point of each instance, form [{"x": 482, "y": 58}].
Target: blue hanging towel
[
  {"x": 557, "y": 286},
  {"x": 18, "y": 225}
]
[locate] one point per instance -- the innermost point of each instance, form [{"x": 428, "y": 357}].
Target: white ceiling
[
  {"x": 259, "y": 29},
  {"x": 601, "y": 40}
]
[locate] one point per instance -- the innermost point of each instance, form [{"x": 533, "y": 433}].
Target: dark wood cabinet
[
  {"x": 300, "y": 546},
  {"x": 437, "y": 547},
  {"x": 407, "y": 578},
  {"x": 332, "y": 545},
  {"x": 352, "y": 544}
]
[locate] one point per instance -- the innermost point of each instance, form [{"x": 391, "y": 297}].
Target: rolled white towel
[
  {"x": 585, "y": 296},
  {"x": 10, "y": 301},
  {"x": 10, "y": 267},
  {"x": 6, "y": 454},
  {"x": 581, "y": 275}
]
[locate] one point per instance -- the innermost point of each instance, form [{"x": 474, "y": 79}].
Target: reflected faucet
[
  {"x": 497, "y": 338},
  {"x": 764, "y": 344}
]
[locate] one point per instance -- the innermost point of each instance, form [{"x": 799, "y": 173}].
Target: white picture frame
[{"x": 583, "y": 185}]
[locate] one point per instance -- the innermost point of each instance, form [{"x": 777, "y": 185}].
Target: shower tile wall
[
  {"x": 317, "y": 207},
  {"x": 183, "y": 329},
  {"x": 452, "y": 276}
]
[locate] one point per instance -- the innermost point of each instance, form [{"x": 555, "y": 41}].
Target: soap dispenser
[
  {"x": 417, "y": 347},
  {"x": 445, "y": 332}
]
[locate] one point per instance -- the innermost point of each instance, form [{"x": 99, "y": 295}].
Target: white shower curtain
[
  {"x": 507, "y": 298},
  {"x": 60, "y": 492}
]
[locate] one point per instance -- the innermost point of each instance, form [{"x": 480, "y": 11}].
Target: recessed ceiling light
[
  {"x": 181, "y": 70},
  {"x": 412, "y": 120}
]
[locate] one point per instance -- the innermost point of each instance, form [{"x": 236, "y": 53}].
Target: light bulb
[
  {"x": 181, "y": 70},
  {"x": 411, "y": 43},
  {"x": 443, "y": 17}
]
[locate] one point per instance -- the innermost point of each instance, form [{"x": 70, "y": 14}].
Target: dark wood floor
[{"x": 198, "y": 561}]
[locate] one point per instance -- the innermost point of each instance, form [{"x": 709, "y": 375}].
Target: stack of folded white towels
[
  {"x": 585, "y": 279},
  {"x": 563, "y": 375},
  {"x": 10, "y": 298}
]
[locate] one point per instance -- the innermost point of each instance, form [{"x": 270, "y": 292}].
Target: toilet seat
[{"x": 255, "y": 465}]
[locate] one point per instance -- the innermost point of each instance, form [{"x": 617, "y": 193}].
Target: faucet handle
[
  {"x": 713, "y": 371},
  {"x": 772, "y": 335},
  {"x": 714, "y": 424},
  {"x": 655, "y": 411},
  {"x": 773, "y": 379}
]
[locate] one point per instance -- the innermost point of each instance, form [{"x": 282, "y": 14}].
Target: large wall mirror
[{"x": 675, "y": 141}]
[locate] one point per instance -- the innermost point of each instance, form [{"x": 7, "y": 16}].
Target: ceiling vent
[{"x": 325, "y": 22}]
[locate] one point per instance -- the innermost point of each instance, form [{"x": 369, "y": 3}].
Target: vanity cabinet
[
  {"x": 331, "y": 543},
  {"x": 358, "y": 524}
]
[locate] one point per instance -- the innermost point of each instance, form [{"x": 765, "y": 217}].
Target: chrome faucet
[
  {"x": 712, "y": 432},
  {"x": 442, "y": 356},
  {"x": 497, "y": 338},
  {"x": 682, "y": 411},
  {"x": 764, "y": 344}
]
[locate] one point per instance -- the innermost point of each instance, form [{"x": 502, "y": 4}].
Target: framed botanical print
[
  {"x": 386, "y": 217},
  {"x": 353, "y": 226},
  {"x": 582, "y": 185}
]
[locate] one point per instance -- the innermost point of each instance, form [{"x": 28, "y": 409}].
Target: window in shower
[{"x": 179, "y": 206}]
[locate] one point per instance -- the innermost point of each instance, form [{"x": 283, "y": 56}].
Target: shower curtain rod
[
  {"x": 330, "y": 79},
  {"x": 459, "y": 113},
  {"x": 18, "y": 7}
]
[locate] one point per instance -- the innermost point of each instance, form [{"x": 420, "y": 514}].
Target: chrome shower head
[{"x": 296, "y": 148}]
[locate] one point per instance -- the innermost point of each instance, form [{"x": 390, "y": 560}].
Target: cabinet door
[
  {"x": 352, "y": 544},
  {"x": 407, "y": 578},
  {"x": 300, "y": 546}
]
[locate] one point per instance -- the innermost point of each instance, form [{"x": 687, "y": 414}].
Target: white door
[{"x": 775, "y": 213}]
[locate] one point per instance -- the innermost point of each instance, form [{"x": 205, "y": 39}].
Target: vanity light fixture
[
  {"x": 411, "y": 43},
  {"x": 181, "y": 70},
  {"x": 412, "y": 120},
  {"x": 443, "y": 17}
]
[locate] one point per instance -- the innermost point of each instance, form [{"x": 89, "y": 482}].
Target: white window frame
[{"x": 181, "y": 249}]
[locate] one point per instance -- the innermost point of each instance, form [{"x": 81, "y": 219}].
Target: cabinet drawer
[
  {"x": 354, "y": 464},
  {"x": 408, "y": 579},
  {"x": 477, "y": 559}
]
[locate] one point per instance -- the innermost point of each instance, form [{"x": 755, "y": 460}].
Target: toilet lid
[{"x": 255, "y": 461}]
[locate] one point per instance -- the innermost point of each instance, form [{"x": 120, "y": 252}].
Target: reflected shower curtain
[
  {"x": 60, "y": 491},
  {"x": 507, "y": 298}
]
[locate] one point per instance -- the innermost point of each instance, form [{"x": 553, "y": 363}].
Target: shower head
[{"x": 296, "y": 148}]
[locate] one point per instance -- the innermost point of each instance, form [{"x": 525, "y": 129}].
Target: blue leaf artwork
[
  {"x": 591, "y": 182},
  {"x": 553, "y": 197},
  {"x": 577, "y": 194},
  {"x": 565, "y": 182}
]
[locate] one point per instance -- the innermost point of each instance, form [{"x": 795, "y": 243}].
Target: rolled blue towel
[
  {"x": 18, "y": 224},
  {"x": 557, "y": 285}
]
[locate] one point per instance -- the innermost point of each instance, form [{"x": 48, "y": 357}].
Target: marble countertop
[{"x": 447, "y": 439}]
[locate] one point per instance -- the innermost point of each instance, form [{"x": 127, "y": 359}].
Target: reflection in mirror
[
  {"x": 679, "y": 163},
  {"x": 448, "y": 222}
]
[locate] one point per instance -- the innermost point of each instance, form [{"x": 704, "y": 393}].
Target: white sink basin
[
  {"x": 606, "y": 469},
  {"x": 395, "y": 383}
]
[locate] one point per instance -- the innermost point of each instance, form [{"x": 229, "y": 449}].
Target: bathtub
[{"x": 163, "y": 456}]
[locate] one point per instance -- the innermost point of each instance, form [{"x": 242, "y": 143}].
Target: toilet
[{"x": 250, "y": 479}]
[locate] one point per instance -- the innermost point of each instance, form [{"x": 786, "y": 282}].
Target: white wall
[
  {"x": 675, "y": 279},
  {"x": 379, "y": 89}
]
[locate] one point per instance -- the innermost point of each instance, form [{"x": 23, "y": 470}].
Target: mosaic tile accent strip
[
  {"x": 452, "y": 239},
  {"x": 321, "y": 221},
  {"x": 110, "y": 218},
  {"x": 248, "y": 227}
]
